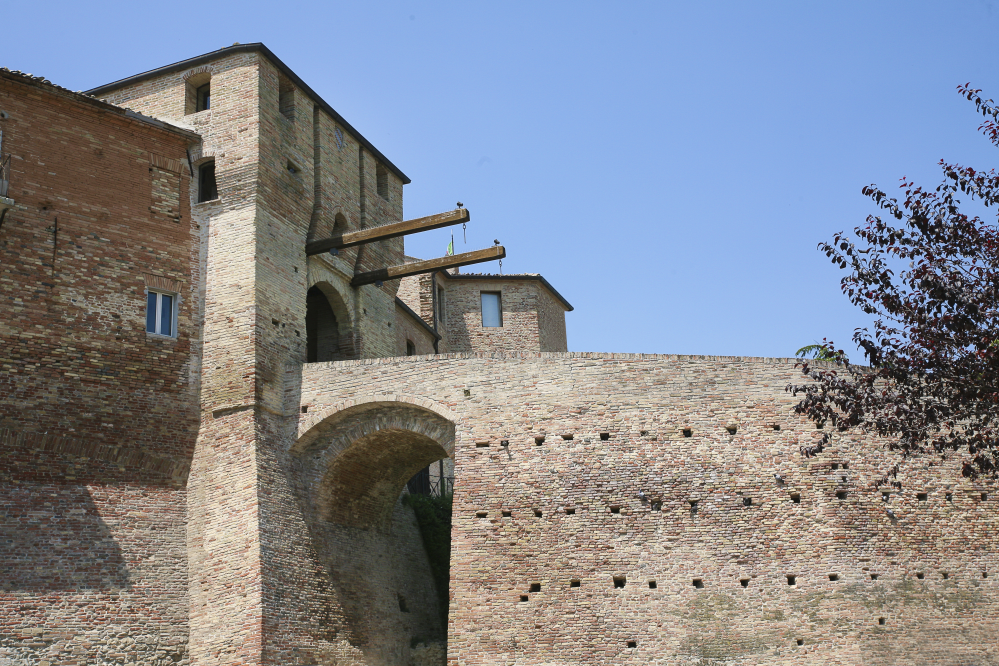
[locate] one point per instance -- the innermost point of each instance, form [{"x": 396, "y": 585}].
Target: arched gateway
[{"x": 352, "y": 462}]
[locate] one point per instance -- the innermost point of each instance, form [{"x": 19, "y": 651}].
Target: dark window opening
[
  {"x": 687, "y": 432},
  {"x": 698, "y": 583},
  {"x": 744, "y": 582},
  {"x": 321, "y": 328},
  {"x": 841, "y": 494},
  {"x": 747, "y": 501},
  {"x": 881, "y": 621},
  {"x": 653, "y": 585},
  {"x": 632, "y": 644},
  {"x": 949, "y": 497},
  {"x": 834, "y": 577},
  {"x": 615, "y": 509},
  {"x": 604, "y": 436},
  {"x": 985, "y": 496},
  {"x": 410, "y": 348},
  {"x": 481, "y": 514},
  {"x": 538, "y": 441},
  {"x": 791, "y": 580},
  {"x": 570, "y": 512},
  {"x": 523, "y": 597},
  {"x": 381, "y": 178},
  {"x": 402, "y": 604},
  {"x": 620, "y": 581},
  {"x": 507, "y": 514},
  {"x": 573, "y": 583},
  {"x": 732, "y": 429},
  {"x": 800, "y": 642},
  {"x": 835, "y": 465},
  {"x": 874, "y": 576},
  {"x": 920, "y": 575},
  {"x": 208, "y": 189},
  {"x": 286, "y": 99},
  {"x": 203, "y": 95},
  {"x": 921, "y": 497},
  {"x": 945, "y": 575},
  {"x": 567, "y": 437},
  {"x": 796, "y": 499},
  {"x": 777, "y": 427},
  {"x": 538, "y": 513},
  {"x": 535, "y": 587}
]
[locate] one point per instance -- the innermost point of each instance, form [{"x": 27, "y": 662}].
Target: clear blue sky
[{"x": 668, "y": 166}]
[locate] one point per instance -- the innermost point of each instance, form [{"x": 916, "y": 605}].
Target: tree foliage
[{"x": 930, "y": 275}]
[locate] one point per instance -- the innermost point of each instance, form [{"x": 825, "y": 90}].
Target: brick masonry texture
[
  {"x": 97, "y": 418},
  {"x": 213, "y": 499},
  {"x": 587, "y": 432}
]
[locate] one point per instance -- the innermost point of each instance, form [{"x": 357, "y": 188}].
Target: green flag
[{"x": 450, "y": 247}]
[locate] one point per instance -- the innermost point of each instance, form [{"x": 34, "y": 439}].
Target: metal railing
[{"x": 424, "y": 484}]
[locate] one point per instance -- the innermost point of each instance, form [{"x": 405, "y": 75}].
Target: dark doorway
[{"x": 321, "y": 329}]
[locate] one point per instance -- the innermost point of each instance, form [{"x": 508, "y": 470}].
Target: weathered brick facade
[
  {"x": 212, "y": 498},
  {"x": 98, "y": 418}
]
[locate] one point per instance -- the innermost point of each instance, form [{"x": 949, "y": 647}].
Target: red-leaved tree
[{"x": 930, "y": 275}]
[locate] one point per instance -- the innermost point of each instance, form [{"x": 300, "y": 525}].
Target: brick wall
[
  {"x": 716, "y": 533},
  {"x": 533, "y": 320},
  {"x": 98, "y": 419}
]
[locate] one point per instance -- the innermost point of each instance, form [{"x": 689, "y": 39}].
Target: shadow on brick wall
[{"x": 53, "y": 538}]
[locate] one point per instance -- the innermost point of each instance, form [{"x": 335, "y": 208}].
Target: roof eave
[{"x": 250, "y": 48}]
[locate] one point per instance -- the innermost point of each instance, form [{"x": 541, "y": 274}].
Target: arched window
[
  {"x": 321, "y": 329},
  {"x": 410, "y": 348}
]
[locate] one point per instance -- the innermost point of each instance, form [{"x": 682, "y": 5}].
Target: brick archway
[{"x": 356, "y": 457}]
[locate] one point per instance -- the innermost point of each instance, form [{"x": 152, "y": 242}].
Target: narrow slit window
[
  {"x": 160, "y": 313},
  {"x": 492, "y": 309},
  {"x": 410, "y": 348},
  {"x": 381, "y": 176},
  {"x": 208, "y": 189}
]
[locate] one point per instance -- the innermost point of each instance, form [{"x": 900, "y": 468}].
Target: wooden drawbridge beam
[
  {"x": 418, "y": 267},
  {"x": 386, "y": 231}
]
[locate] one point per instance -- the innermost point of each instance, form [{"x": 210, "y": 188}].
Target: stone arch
[
  {"x": 357, "y": 457},
  {"x": 329, "y": 331}
]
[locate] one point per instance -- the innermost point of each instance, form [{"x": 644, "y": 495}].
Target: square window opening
[
  {"x": 574, "y": 583},
  {"x": 492, "y": 309},
  {"x": 535, "y": 587},
  {"x": 653, "y": 585},
  {"x": 620, "y": 582},
  {"x": 698, "y": 583}
]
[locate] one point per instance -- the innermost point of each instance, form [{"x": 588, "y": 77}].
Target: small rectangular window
[
  {"x": 208, "y": 189},
  {"x": 204, "y": 94},
  {"x": 160, "y": 313},
  {"x": 492, "y": 309}
]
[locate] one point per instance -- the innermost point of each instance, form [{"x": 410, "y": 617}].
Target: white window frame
[{"x": 159, "y": 311}]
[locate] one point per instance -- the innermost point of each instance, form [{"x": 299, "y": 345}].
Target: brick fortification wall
[
  {"x": 97, "y": 418},
  {"x": 557, "y": 559}
]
